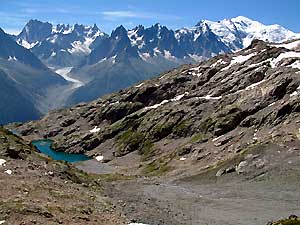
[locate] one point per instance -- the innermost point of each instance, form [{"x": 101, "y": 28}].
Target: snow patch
[
  {"x": 177, "y": 98},
  {"x": 2, "y": 221},
  {"x": 252, "y": 86},
  {"x": 52, "y": 39},
  {"x": 259, "y": 64},
  {"x": 81, "y": 47},
  {"x": 284, "y": 55},
  {"x": 99, "y": 158},
  {"x": 209, "y": 97},
  {"x": 182, "y": 159},
  {"x": 195, "y": 68},
  {"x": 26, "y": 44},
  {"x": 2, "y": 162},
  {"x": 9, "y": 172},
  {"x": 95, "y": 130},
  {"x": 157, "y": 105},
  {"x": 194, "y": 71},
  {"x": 217, "y": 138},
  {"x": 156, "y": 51},
  {"x": 139, "y": 85},
  {"x": 239, "y": 59},
  {"x": 273, "y": 103},
  {"x": 290, "y": 46},
  {"x": 295, "y": 93},
  {"x": 114, "y": 103},
  {"x": 220, "y": 61},
  {"x": 114, "y": 59},
  {"x": 12, "y": 58},
  {"x": 168, "y": 55},
  {"x": 295, "y": 65},
  {"x": 145, "y": 56}
]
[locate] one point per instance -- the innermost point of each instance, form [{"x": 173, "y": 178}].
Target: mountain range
[{"x": 95, "y": 63}]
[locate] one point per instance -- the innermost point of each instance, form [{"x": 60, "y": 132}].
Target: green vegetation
[
  {"x": 198, "y": 138},
  {"x": 289, "y": 221},
  {"x": 160, "y": 166},
  {"x": 156, "y": 168},
  {"x": 182, "y": 128},
  {"x": 161, "y": 130},
  {"x": 147, "y": 150},
  {"x": 114, "y": 177},
  {"x": 129, "y": 141},
  {"x": 208, "y": 124}
]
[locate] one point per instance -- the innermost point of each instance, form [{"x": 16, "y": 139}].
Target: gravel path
[{"x": 234, "y": 202}]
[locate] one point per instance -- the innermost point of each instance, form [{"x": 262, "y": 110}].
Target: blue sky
[{"x": 108, "y": 14}]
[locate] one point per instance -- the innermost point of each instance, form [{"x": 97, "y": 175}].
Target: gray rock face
[{"x": 212, "y": 114}]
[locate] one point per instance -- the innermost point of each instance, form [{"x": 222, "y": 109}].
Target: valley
[
  {"x": 134, "y": 122},
  {"x": 212, "y": 143}
]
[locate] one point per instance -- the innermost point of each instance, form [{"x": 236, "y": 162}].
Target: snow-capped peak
[
  {"x": 242, "y": 19},
  {"x": 62, "y": 28},
  {"x": 238, "y": 32}
]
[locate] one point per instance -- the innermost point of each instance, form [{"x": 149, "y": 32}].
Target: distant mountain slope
[
  {"x": 25, "y": 84},
  {"x": 14, "y": 105},
  {"x": 12, "y": 51}
]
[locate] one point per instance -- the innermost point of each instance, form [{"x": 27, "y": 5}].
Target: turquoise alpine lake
[{"x": 44, "y": 146}]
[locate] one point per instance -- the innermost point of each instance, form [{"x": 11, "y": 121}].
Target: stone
[
  {"x": 220, "y": 172},
  {"x": 240, "y": 168}
]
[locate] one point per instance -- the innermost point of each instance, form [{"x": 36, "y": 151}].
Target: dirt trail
[{"x": 231, "y": 202}]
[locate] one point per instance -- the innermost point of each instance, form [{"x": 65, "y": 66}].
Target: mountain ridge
[
  {"x": 103, "y": 63},
  {"x": 234, "y": 33}
]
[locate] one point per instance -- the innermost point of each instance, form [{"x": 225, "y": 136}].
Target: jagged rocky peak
[
  {"x": 62, "y": 28},
  {"x": 35, "y": 31},
  {"x": 136, "y": 32},
  {"x": 119, "y": 33},
  {"x": 95, "y": 28},
  {"x": 139, "y": 28},
  {"x": 203, "y": 24}
]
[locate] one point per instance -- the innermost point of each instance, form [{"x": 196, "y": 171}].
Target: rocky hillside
[
  {"x": 216, "y": 143},
  {"x": 37, "y": 190},
  {"x": 229, "y": 112}
]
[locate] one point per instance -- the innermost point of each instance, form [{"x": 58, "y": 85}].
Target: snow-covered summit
[{"x": 238, "y": 32}]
